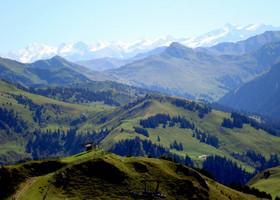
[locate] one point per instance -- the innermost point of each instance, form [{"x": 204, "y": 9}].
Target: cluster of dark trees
[
  {"x": 227, "y": 123},
  {"x": 75, "y": 95},
  {"x": 257, "y": 160},
  {"x": 226, "y": 171},
  {"x": 188, "y": 161},
  {"x": 166, "y": 120},
  {"x": 206, "y": 138},
  {"x": 175, "y": 145},
  {"x": 137, "y": 147},
  {"x": 246, "y": 189},
  {"x": 239, "y": 120},
  {"x": 141, "y": 131},
  {"x": 192, "y": 106},
  {"x": 268, "y": 124},
  {"x": 10, "y": 120},
  {"x": 59, "y": 143},
  {"x": 79, "y": 120},
  {"x": 155, "y": 121},
  {"x": 38, "y": 109}
]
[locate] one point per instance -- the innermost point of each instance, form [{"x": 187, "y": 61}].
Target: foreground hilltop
[{"x": 98, "y": 175}]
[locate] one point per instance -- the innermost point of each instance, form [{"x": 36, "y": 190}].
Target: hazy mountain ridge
[
  {"x": 198, "y": 74},
  {"x": 55, "y": 71},
  {"x": 125, "y": 50},
  {"x": 243, "y": 46},
  {"x": 102, "y": 64},
  {"x": 261, "y": 95}
]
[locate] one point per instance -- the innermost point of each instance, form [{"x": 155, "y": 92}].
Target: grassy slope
[
  {"x": 230, "y": 140},
  {"x": 270, "y": 184},
  {"x": 126, "y": 117},
  {"x": 68, "y": 112},
  {"x": 176, "y": 181}
]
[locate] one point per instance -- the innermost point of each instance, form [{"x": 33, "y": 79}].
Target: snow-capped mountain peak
[
  {"x": 119, "y": 49},
  {"x": 253, "y": 27},
  {"x": 228, "y": 33}
]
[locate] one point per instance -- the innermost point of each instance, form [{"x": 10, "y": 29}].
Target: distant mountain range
[
  {"x": 261, "y": 95},
  {"x": 226, "y": 48},
  {"x": 185, "y": 72},
  {"x": 125, "y": 50},
  {"x": 244, "y": 46},
  {"x": 175, "y": 70},
  {"x": 102, "y": 64}
]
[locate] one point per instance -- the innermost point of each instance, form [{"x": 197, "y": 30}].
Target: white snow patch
[{"x": 253, "y": 27}]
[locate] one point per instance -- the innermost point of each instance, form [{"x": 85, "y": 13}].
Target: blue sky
[{"x": 52, "y": 22}]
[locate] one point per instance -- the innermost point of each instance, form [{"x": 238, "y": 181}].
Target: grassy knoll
[
  {"x": 88, "y": 175},
  {"x": 268, "y": 181}
]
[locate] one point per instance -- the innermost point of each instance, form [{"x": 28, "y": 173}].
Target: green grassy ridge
[
  {"x": 268, "y": 181},
  {"x": 83, "y": 176},
  {"x": 67, "y": 110},
  {"x": 230, "y": 140}
]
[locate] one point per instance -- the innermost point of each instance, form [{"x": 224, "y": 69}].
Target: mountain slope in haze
[
  {"x": 102, "y": 64},
  {"x": 268, "y": 181},
  {"x": 189, "y": 73},
  {"x": 244, "y": 46},
  {"x": 126, "y": 50},
  {"x": 95, "y": 174},
  {"x": 261, "y": 95},
  {"x": 55, "y": 71}
]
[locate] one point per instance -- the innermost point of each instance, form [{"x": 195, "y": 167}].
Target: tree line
[
  {"x": 192, "y": 106},
  {"x": 165, "y": 120},
  {"x": 225, "y": 170},
  {"x": 247, "y": 190},
  {"x": 257, "y": 160},
  {"x": 137, "y": 147},
  {"x": 206, "y": 138},
  {"x": 239, "y": 120},
  {"x": 9, "y": 119},
  {"x": 59, "y": 143},
  {"x": 74, "y": 95}
]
